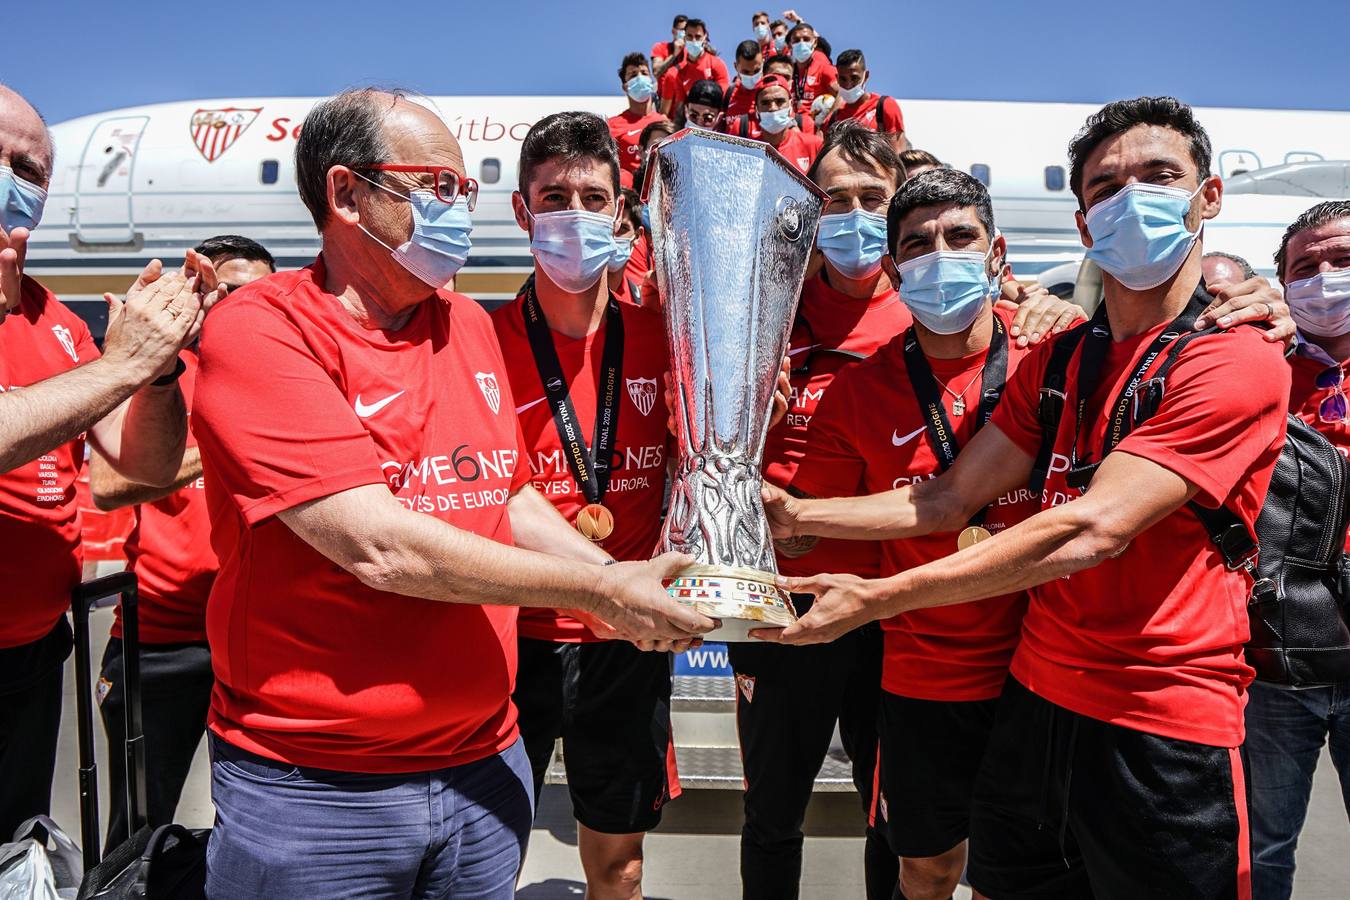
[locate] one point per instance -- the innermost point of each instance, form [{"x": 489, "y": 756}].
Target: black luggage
[{"x": 165, "y": 863}]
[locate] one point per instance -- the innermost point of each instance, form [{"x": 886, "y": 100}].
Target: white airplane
[{"x": 149, "y": 181}]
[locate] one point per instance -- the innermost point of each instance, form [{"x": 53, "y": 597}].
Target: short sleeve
[
  {"x": 892, "y": 119},
  {"x": 1223, "y": 409},
  {"x": 85, "y": 348},
  {"x": 1015, "y": 414},
  {"x": 720, "y": 73},
  {"x": 274, "y": 427},
  {"x": 833, "y": 465}
]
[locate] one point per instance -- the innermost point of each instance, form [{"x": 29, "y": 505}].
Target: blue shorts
[{"x": 289, "y": 831}]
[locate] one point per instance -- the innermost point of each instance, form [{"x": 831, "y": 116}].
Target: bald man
[
  {"x": 367, "y": 480},
  {"x": 54, "y": 388}
]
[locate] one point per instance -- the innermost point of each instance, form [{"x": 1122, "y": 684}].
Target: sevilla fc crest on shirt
[
  {"x": 642, "y": 391},
  {"x": 67, "y": 341},
  {"x": 215, "y": 130},
  {"x": 487, "y": 383}
]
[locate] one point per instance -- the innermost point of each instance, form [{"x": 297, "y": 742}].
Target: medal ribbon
[{"x": 590, "y": 466}]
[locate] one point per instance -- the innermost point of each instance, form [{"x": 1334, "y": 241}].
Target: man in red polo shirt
[
  {"x": 773, "y": 113},
  {"x": 665, "y": 51},
  {"x": 749, "y": 64},
  {"x": 858, "y": 103},
  {"x": 699, "y": 63},
  {"x": 934, "y": 386},
  {"x": 361, "y": 448},
  {"x": 597, "y": 450},
  {"x": 1286, "y": 729},
  {"x": 813, "y": 74},
  {"x": 169, "y": 550},
  {"x": 55, "y": 389},
  {"x": 635, "y": 74},
  {"x": 1113, "y": 767}
]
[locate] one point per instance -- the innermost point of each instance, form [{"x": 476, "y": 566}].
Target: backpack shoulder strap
[
  {"x": 881, "y": 111},
  {"x": 726, "y": 96},
  {"x": 1054, "y": 394}
]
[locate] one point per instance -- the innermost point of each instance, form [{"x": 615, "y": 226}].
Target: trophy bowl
[{"x": 733, "y": 224}]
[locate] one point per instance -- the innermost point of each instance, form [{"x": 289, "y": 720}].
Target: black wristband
[{"x": 165, "y": 380}]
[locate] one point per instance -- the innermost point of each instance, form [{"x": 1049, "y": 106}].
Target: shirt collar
[{"x": 1307, "y": 348}]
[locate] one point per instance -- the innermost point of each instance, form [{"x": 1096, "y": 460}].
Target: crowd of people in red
[{"x": 404, "y": 546}]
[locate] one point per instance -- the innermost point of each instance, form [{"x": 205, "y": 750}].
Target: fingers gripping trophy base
[{"x": 741, "y": 599}]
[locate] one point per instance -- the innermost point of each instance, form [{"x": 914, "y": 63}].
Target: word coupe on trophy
[{"x": 733, "y": 224}]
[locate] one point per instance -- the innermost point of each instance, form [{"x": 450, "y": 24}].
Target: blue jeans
[
  {"x": 1285, "y": 733},
  {"x": 285, "y": 831}
]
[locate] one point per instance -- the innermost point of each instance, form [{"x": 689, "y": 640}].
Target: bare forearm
[
  {"x": 112, "y": 491},
  {"x": 537, "y": 525},
  {"x": 1049, "y": 545},
  {"x": 40, "y": 417},
  {"x": 153, "y": 435},
  {"x": 904, "y": 512}
]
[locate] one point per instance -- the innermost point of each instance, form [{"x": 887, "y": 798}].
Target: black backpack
[{"x": 1297, "y": 610}]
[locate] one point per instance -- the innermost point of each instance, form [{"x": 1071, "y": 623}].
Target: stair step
[
  {"x": 703, "y": 693},
  {"x": 719, "y": 768}
]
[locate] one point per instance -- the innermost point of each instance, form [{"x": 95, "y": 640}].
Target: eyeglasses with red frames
[
  {"x": 1334, "y": 408},
  {"x": 449, "y": 184}
]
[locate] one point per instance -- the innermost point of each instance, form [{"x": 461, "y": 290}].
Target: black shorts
[
  {"x": 1067, "y": 806},
  {"x": 930, "y": 752},
  {"x": 610, "y": 704}
]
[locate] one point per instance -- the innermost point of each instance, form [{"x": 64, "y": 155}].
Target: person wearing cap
[{"x": 705, "y": 105}]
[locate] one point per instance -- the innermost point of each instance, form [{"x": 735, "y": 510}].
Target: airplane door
[
  {"x": 1235, "y": 162},
  {"x": 103, "y": 212}
]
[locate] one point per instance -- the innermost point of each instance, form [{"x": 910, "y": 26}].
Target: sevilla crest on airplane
[
  {"x": 487, "y": 383},
  {"x": 215, "y": 130},
  {"x": 642, "y": 391}
]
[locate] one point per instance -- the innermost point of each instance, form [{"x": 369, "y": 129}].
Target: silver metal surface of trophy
[{"x": 733, "y": 224}]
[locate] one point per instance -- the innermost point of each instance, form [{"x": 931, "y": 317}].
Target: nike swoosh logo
[
  {"x": 364, "y": 412},
  {"x": 802, "y": 349},
  {"x": 899, "y": 441},
  {"x": 638, "y": 131},
  {"x": 521, "y": 409}
]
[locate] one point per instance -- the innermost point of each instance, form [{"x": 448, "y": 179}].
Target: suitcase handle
[{"x": 84, "y": 596}]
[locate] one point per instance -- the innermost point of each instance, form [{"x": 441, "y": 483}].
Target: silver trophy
[{"x": 733, "y": 224}]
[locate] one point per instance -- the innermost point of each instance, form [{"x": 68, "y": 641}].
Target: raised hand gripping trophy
[{"x": 732, "y": 224}]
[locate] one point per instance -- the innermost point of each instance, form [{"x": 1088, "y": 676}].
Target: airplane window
[
  {"x": 270, "y": 170},
  {"x": 981, "y": 173},
  {"x": 1054, "y": 178},
  {"x": 490, "y": 171}
]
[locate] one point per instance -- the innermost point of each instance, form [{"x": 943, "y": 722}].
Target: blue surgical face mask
[
  {"x": 679, "y": 34},
  {"x": 623, "y": 251},
  {"x": 439, "y": 245},
  {"x": 640, "y": 87},
  {"x": 694, "y": 49},
  {"x": 780, "y": 43},
  {"x": 946, "y": 289},
  {"x": 774, "y": 121},
  {"x": 646, "y": 213},
  {"x": 21, "y": 201},
  {"x": 1139, "y": 234},
  {"x": 802, "y": 51},
  {"x": 573, "y": 247},
  {"x": 761, "y": 31},
  {"x": 750, "y": 82},
  {"x": 853, "y": 242},
  {"x": 853, "y": 94}
]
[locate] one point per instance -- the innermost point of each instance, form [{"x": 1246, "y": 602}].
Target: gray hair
[{"x": 345, "y": 130}]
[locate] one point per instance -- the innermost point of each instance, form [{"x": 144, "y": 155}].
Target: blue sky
[{"x": 73, "y": 58}]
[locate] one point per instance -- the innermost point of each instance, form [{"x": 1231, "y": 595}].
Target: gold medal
[
  {"x": 972, "y": 536},
  {"x": 597, "y": 523}
]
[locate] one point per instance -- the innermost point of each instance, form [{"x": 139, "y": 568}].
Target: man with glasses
[
  {"x": 704, "y": 106},
  {"x": 1286, "y": 729},
  {"x": 366, "y": 477}
]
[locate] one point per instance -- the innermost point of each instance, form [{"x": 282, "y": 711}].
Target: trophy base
[{"x": 741, "y": 598}]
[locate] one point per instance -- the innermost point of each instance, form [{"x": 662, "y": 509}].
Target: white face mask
[{"x": 1320, "y": 305}]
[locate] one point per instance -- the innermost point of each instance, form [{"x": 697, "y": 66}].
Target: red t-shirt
[
  {"x": 800, "y": 148},
  {"x": 640, "y": 262},
  {"x": 660, "y": 50},
  {"x": 741, "y": 102},
  {"x": 827, "y": 321},
  {"x": 39, "y": 517},
  {"x": 685, "y": 74},
  {"x": 295, "y": 402},
  {"x": 869, "y": 436},
  {"x": 811, "y": 79},
  {"x": 638, "y": 473},
  {"x": 1305, "y": 397},
  {"x": 887, "y": 119},
  {"x": 169, "y": 549},
  {"x": 1152, "y": 639},
  {"x": 626, "y": 129}
]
